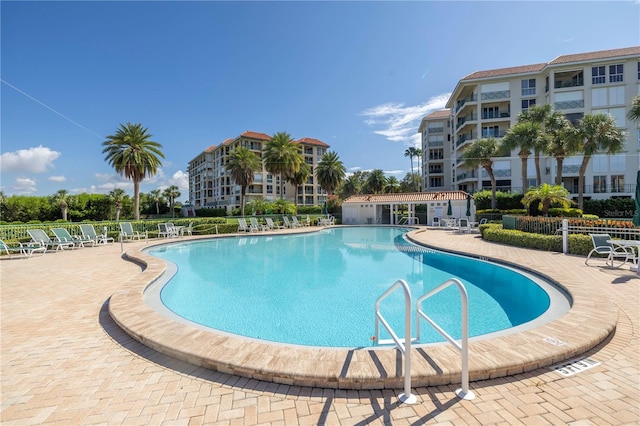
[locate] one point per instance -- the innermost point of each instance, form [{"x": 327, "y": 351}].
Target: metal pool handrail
[
  {"x": 405, "y": 348},
  {"x": 464, "y": 391}
]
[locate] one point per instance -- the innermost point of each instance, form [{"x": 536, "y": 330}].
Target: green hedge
[{"x": 578, "y": 243}]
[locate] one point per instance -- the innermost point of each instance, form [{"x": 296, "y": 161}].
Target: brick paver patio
[{"x": 64, "y": 360}]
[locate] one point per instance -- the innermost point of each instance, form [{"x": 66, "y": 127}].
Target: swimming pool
[{"x": 319, "y": 289}]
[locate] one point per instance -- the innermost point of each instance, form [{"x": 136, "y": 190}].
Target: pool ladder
[{"x": 405, "y": 348}]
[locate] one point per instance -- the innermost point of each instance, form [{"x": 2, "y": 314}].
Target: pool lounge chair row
[{"x": 269, "y": 225}]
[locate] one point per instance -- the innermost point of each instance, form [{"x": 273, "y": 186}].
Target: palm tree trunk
[
  {"x": 559, "y": 161},
  {"x": 242, "y": 192},
  {"x": 524, "y": 172},
  {"x": 136, "y": 199},
  {"x": 493, "y": 187},
  {"x": 536, "y": 160},
  {"x": 583, "y": 169}
]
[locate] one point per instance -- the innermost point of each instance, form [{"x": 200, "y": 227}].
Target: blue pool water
[{"x": 320, "y": 288}]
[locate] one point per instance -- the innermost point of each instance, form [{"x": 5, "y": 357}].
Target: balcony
[
  {"x": 464, "y": 138},
  {"x": 492, "y": 96},
  {"x": 436, "y": 130},
  {"x": 568, "y": 83},
  {"x": 465, "y": 119},
  {"x": 578, "y": 103},
  {"x": 466, "y": 175},
  {"x": 461, "y": 102},
  {"x": 493, "y": 115}
]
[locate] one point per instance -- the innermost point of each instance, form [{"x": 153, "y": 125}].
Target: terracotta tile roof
[
  {"x": 255, "y": 135},
  {"x": 210, "y": 149},
  {"x": 411, "y": 197},
  {"x": 227, "y": 141},
  {"x": 601, "y": 54},
  {"x": 312, "y": 141},
  {"x": 523, "y": 69},
  {"x": 440, "y": 114}
]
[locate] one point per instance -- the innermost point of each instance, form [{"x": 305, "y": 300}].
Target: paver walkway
[{"x": 64, "y": 361}]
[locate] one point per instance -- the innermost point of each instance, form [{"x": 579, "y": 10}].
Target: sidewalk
[{"x": 64, "y": 361}]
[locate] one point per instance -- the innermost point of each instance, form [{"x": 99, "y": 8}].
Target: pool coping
[{"x": 590, "y": 321}]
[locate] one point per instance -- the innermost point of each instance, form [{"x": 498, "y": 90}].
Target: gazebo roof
[{"x": 407, "y": 198}]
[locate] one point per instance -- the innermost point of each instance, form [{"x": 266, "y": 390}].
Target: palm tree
[
  {"x": 481, "y": 153},
  {"x": 538, "y": 114},
  {"x": 377, "y": 181},
  {"x": 393, "y": 185},
  {"x": 634, "y": 111},
  {"x": 596, "y": 133},
  {"x": 547, "y": 195},
  {"x": 171, "y": 193},
  {"x": 134, "y": 155},
  {"x": 523, "y": 135},
  {"x": 117, "y": 194},
  {"x": 156, "y": 197},
  {"x": 60, "y": 198},
  {"x": 299, "y": 178},
  {"x": 352, "y": 185},
  {"x": 282, "y": 157},
  {"x": 561, "y": 140},
  {"x": 330, "y": 172},
  {"x": 242, "y": 165},
  {"x": 413, "y": 152}
]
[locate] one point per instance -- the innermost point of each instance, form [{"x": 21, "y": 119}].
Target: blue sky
[{"x": 356, "y": 75}]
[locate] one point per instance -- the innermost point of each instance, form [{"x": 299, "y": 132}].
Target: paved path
[{"x": 64, "y": 361}]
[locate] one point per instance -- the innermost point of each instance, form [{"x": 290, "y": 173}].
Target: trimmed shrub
[{"x": 211, "y": 212}]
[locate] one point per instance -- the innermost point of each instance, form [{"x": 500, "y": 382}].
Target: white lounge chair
[
  {"x": 242, "y": 225},
  {"x": 88, "y": 231},
  {"x": 254, "y": 226},
  {"x": 128, "y": 234},
  {"x": 187, "y": 230},
  {"x": 25, "y": 249},
  {"x": 38, "y": 236},
  {"x": 271, "y": 225},
  {"x": 286, "y": 222},
  {"x": 62, "y": 235},
  {"x": 463, "y": 226},
  {"x": 296, "y": 223},
  {"x": 602, "y": 244}
]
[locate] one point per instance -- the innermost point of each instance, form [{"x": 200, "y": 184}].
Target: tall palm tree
[
  {"x": 376, "y": 181},
  {"x": 330, "y": 172},
  {"x": 546, "y": 195},
  {"x": 60, "y": 198},
  {"x": 634, "y": 111},
  {"x": 596, "y": 133},
  {"x": 561, "y": 140},
  {"x": 538, "y": 114},
  {"x": 352, "y": 185},
  {"x": 481, "y": 153},
  {"x": 413, "y": 152},
  {"x": 299, "y": 178},
  {"x": 282, "y": 157},
  {"x": 134, "y": 155},
  {"x": 117, "y": 194},
  {"x": 242, "y": 165},
  {"x": 393, "y": 185},
  {"x": 523, "y": 136},
  {"x": 171, "y": 193},
  {"x": 156, "y": 197}
]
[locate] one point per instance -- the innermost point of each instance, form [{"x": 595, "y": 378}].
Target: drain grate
[{"x": 575, "y": 366}]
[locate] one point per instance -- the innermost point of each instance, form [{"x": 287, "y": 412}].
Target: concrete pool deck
[{"x": 64, "y": 360}]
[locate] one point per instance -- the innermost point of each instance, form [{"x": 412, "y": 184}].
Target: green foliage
[
  {"x": 612, "y": 208},
  {"x": 309, "y": 209},
  {"x": 565, "y": 212},
  {"x": 504, "y": 200},
  {"x": 211, "y": 212}
]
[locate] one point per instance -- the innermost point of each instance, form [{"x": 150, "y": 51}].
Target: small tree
[
  {"x": 117, "y": 195},
  {"x": 547, "y": 195},
  {"x": 330, "y": 172},
  {"x": 481, "y": 153},
  {"x": 171, "y": 193},
  {"x": 376, "y": 182},
  {"x": 243, "y": 164}
]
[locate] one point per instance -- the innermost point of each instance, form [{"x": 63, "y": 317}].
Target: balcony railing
[
  {"x": 559, "y": 84},
  {"x": 569, "y": 104},
  {"x": 501, "y": 94},
  {"x": 467, "y": 137},
  {"x": 463, "y": 101},
  {"x": 436, "y": 129},
  {"x": 470, "y": 117},
  {"x": 492, "y": 115}
]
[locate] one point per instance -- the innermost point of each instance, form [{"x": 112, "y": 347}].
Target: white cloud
[
  {"x": 399, "y": 123},
  {"x": 394, "y": 172},
  {"x": 181, "y": 180},
  {"x": 57, "y": 178},
  {"x": 24, "y": 185},
  {"x": 32, "y": 160}
]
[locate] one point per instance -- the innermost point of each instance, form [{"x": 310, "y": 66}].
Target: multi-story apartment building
[
  {"x": 486, "y": 103},
  {"x": 435, "y": 129},
  {"x": 211, "y": 186}
]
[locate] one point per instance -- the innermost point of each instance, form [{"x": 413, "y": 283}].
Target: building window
[
  {"x": 436, "y": 182},
  {"x": 616, "y": 73},
  {"x": 528, "y": 103},
  {"x": 436, "y": 154},
  {"x": 597, "y": 75},
  {"x": 599, "y": 184},
  {"x": 490, "y": 112},
  {"x": 638, "y": 70},
  {"x": 269, "y": 189},
  {"x": 529, "y": 87},
  {"x": 617, "y": 183},
  {"x": 491, "y": 132}
]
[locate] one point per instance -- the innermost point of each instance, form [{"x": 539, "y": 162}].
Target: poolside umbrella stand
[
  {"x": 468, "y": 206},
  {"x": 449, "y": 209},
  {"x": 636, "y": 216}
]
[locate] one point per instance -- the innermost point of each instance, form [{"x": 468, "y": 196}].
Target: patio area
[{"x": 65, "y": 361}]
